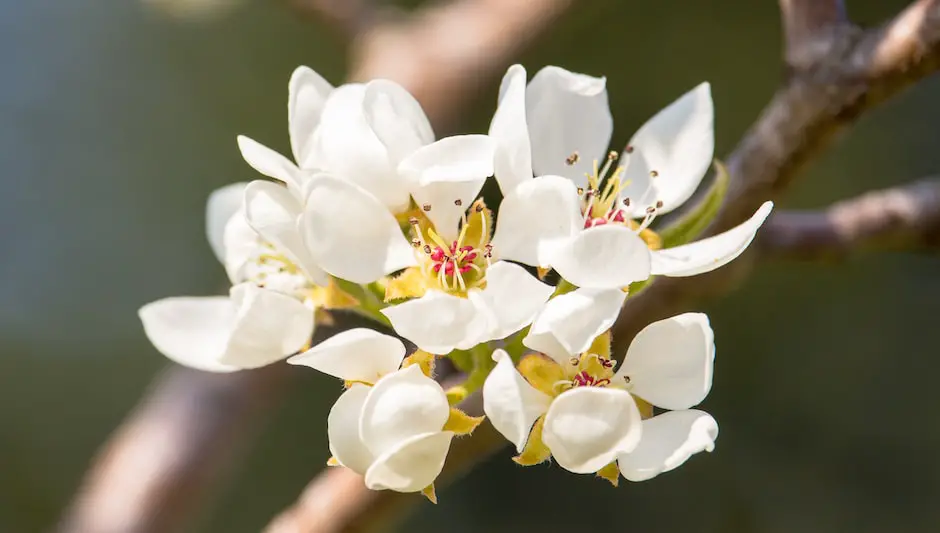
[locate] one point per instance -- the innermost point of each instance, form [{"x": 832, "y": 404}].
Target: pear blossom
[
  {"x": 590, "y": 221},
  {"x": 569, "y": 403},
  {"x": 393, "y": 424},
  {"x": 366, "y": 159},
  {"x": 461, "y": 298},
  {"x": 268, "y": 315}
]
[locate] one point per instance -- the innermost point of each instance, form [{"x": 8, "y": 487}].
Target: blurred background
[{"x": 116, "y": 122}]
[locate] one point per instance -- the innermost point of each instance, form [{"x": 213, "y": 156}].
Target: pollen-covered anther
[
  {"x": 572, "y": 159},
  {"x": 458, "y": 202},
  {"x": 426, "y": 207}
]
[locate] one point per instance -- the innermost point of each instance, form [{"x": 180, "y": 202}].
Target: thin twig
[{"x": 906, "y": 217}]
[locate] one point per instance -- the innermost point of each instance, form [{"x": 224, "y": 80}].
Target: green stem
[
  {"x": 483, "y": 363},
  {"x": 370, "y": 305}
]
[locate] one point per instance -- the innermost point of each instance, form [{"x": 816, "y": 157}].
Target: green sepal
[{"x": 694, "y": 222}]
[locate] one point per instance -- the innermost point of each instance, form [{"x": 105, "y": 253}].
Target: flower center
[
  {"x": 267, "y": 268},
  {"x": 587, "y": 370},
  {"x": 602, "y": 202},
  {"x": 460, "y": 265}
]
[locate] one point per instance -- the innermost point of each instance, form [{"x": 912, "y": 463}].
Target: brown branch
[
  {"x": 348, "y": 18},
  {"x": 808, "y": 28},
  {"x": 816, "y": 102},
  {"x": 154, "y": 472},
  {"x": 446, "y": 52},
  {"x": 337, "y": 501},
  {"x": 905, "y": 217}
]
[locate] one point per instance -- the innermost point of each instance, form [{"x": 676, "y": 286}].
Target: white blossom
[
  {"x": 572, "y": 405},
  {"x": 583, "y": 215},
  {"x": 389, "y": 424},
  {"x": 266, "y": 317}
]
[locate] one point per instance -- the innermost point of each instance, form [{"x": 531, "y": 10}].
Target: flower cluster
[{"x": 376, "y": 216}]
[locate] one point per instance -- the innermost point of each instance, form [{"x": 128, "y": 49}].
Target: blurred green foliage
[{"x": 116, "y": 123}]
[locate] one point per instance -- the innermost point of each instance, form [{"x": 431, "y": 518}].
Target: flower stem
[{"x": 483, "y": 363}]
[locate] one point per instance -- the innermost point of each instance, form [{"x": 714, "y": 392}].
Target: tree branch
[
  {"x": 155, "y": 471},
  {"x": 348, "y": 18},
  {"x": 905, "y": 217},
  {"x": 337, "y": 501},
  {"x": 808, "y": 28},
  {"x": 816, "y": 102}
]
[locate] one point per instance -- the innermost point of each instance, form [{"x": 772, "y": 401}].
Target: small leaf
[
  {"x": 535, "y": 450},
  {"x": 691, "y": 225},
  {"x": 601, "y": 345},
  {"x": 461, "y": 423},
  {"x": 409, "y": 284},
  {"x": 611, "y": 473},
  {"x": 333, "y": 296},
  {"x": 541, "y": 372},
  {"x": 429, "y": 493},
  {"x": 423, "y": 359}
]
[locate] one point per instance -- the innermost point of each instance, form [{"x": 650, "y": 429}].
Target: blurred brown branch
[
  {"x": 820, "y": 98},
  {"x": 156, "y": 469},
  {"x": 906, "y": 217}
]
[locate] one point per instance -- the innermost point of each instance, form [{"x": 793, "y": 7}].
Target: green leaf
[{"x": 693, "y": 223}]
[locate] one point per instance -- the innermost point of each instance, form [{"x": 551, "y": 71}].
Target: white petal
[
  {"x": 350, "y": 234},
  {"x": 603, "y": 257},
  {"x": 513, "y": 297},
  {"x": 242, "y": 244},
  {"x": 396, "y": 118},
  {"x": 513, "y": 163},
  {"x": 402, "y": 405},
  {"x": 535, "y": 218},
  {"x": 413, "y": 465},
  {"x": 670, "y": 362},
  {"x": 587, "y": 427},
  {"x": 268, "y": 326},
  {"x": 510, "y": 403},
  {"x": 570, "y": 322},
  {"x": 678, "y": 143},
  {"x": 273, "y": 212},
  {"x": 192, "y": 331},
  {"x": 567, "y": 113},
  {"x": 342, "y": 428},
  {"x": 708, "y": 254},
  {"x": 223, "y": 203},
  {"x": 451, "y": 169},
  {"x": 347, "y": 147},
  {"x": 439, "y": 322},
  {"x": 253, "y": 328},
  {"x": 307, "y": 92},
  {"x": 668, "y": 441},
  {"x": 358, "y": 354},
  {"x": 271, "y": 164}
]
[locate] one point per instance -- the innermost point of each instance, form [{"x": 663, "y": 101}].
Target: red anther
[
  {"x": 453, "y": 248},
  {"x": 464, "y": 269},
  {"x": 583, "y": 379},
  {"x": 606, "y": 363},
  {"x": 436, "y": 268},
  {"x": 466, "y": 249},
  {"x": 449, "y": 268},
  {"x": 438, "y": 254},
  {"x": 618, "y": 216},
  {"x": 470, "y": 256}
]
